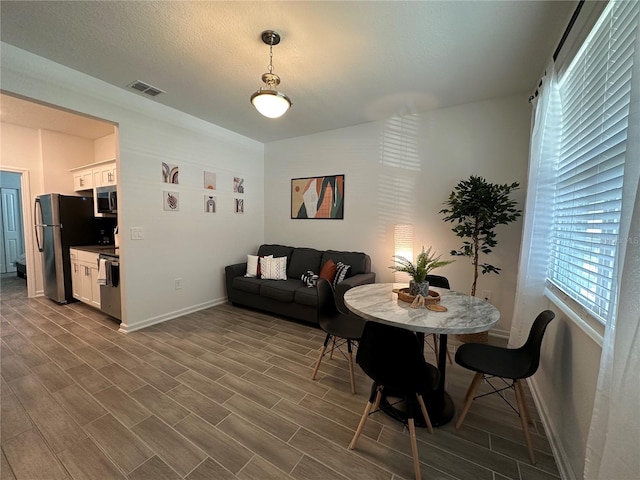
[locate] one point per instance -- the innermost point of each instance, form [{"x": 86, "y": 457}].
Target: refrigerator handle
[{"x": 36, "y": 223}]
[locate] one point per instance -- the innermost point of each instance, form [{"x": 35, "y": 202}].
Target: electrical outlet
[
  {"x": 486, "y": 294},
  {"x": 178, "y": 283},
  {"x": 137, "y": 233}
]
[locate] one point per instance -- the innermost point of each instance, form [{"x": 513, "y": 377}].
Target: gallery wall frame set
[
  {"x": 318, "y": 197},
  {"x": 171, "y": 199}
]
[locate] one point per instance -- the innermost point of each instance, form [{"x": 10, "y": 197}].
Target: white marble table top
[{"x": 465, "y": 314}]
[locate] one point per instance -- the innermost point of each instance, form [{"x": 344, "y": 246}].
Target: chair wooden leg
[
  {"x": 449, "y": 357},
  {"x": 351, "y": 374},
  {"x": 363, "y": 420},
  {"x": 414, "y": 448},
  {"x": 322, "y": 350},
  {"x": 475, "y": 383},
  {"x": 425, "y": 413},
  {"x": 525, "y": 407},
  {"x": 523, "y": 418}
]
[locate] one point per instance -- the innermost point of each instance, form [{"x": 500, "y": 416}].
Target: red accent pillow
[{"x": 328, "y": 271}]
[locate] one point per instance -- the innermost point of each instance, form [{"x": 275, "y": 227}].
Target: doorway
[{"x": 12, "y": 251}]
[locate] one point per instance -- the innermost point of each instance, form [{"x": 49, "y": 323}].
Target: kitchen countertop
[{"x": 108, "y": 249}]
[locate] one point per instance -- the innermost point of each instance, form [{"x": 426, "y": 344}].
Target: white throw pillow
[
  {"x": 273, "y": 268},
  {"x": 253, "y": 262}
]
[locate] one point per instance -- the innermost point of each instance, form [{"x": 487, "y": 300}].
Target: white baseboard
[
  {"x": 562, "y": 460},
  {"x": 125, "y": 328},
  {"x": 494, "y": 332}
]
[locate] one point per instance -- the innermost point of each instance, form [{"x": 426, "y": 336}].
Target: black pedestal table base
[{"x": 438, "y": 414}]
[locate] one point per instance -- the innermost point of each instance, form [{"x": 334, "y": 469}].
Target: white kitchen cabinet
[
  {"x": 95, "y": 175},
  {"x": 82, "y": 179},
  {"x": 84, "y": 277},
  {"x": 105, "y": 175}
]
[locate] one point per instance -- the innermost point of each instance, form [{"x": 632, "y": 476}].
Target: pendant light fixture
[{"x": 267, "y": 100}]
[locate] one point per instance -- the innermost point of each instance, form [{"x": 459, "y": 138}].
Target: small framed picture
[
  {"x": 238, "y": 185},
  {"x": 171, "y": 201},
  {"x": 170, "y": 173},
  {"x": 238, "y": 205},
  {"x": 209, "y": 204},
  {"x": 209, "y": 180}
]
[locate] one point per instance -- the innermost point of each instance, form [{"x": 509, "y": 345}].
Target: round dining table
[{"x": 378, "y": 302}]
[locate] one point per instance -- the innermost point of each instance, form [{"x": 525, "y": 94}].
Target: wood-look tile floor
[{"x": 224, "y": 393}]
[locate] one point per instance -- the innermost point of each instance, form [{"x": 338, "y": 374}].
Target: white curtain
[
  {"x": 613, "y": 444},
  {"x": 534, "y": 251}
]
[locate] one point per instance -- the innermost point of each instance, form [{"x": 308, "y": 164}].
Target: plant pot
[{"x": 416, "y": 288}]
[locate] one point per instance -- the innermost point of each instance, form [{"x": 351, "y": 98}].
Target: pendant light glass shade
[{"x": 268, "y": 101}]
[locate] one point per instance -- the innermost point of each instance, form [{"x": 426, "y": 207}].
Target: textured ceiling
[{"x": 341, "y": 63}]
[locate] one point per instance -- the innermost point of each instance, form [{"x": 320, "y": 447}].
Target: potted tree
[
  {"x": 425, "y": 262},
  {"x": 477, "y": 207}
]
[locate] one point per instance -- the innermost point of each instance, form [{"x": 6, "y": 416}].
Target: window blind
[{"x": 595, "y": 94}]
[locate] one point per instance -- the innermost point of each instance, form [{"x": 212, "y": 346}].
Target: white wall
[
  {"x": 188, "y": 244},
  {"x": 60, "y": 153},
  {"x": 105, "y": 148},
  {"x": 564, "y": 388},
  {"x": 20, "y": 149},
  {"x": 401, "y": 171}
]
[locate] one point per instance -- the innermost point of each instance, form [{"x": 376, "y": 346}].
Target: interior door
[{"x": 12, "y": 234}]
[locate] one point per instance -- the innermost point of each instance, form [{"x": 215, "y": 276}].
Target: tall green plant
[{"x": 478, "y": 207}]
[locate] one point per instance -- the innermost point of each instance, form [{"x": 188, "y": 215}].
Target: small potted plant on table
[{"x": 418, "y": 271}]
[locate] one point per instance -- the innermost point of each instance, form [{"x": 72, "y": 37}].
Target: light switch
[{"x": 137, "y": 233}]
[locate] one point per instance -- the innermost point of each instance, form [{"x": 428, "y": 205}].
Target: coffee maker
[{"x": 104, "y": 230}]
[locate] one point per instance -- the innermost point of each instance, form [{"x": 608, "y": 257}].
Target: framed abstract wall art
[{"x": 318, "y": 197}]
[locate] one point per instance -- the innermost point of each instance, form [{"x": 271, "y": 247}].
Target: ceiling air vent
[{"x": 146, "y": 88}]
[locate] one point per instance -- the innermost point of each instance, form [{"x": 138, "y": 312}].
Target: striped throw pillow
[{"x": 341, "y": 273}]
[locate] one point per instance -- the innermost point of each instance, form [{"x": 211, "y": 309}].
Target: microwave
[{"x": 106, "y": 200}]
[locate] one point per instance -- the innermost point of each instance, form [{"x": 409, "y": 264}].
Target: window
[{"x": 595, "y": 95}]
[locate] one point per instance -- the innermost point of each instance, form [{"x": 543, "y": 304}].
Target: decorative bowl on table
[{"x": 405, "y": 296}]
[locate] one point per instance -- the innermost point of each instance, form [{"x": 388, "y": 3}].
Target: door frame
[{"x": 27, "y": 224}]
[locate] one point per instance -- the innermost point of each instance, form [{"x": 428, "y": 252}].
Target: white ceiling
[
  {"x": 35, "y": 115},
  {"x": 342, "y": 63}
]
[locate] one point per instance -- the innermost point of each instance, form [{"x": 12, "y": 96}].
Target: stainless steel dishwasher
[{"x": 110, "y": 293}]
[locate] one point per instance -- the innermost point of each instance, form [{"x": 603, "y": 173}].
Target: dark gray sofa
[{"x": 291, "y": 297}]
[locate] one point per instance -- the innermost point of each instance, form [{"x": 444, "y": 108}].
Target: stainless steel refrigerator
[{"x": 61, "y": 221}]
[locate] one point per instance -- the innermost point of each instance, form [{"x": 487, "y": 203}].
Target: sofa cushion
[
  {"x": 341, "y": 273},
  {"x": 307, "y": 296},
  {"x": 273, "y": 268},
  {"x": 247, "y": 284},
  {"x": 253, "y": 266},
  {"x": 328, "y": 271},
  {"x": 302, "y": 260},
  {"x": 275, "y": 250},
  {"x": 357, "y": 261},
  {"x": 281, "y": 290}
]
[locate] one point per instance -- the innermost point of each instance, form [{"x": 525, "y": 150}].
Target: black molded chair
[
  {"x": 394, "y": 360},
  {"x": 515, "y": 364},
  {"x": 440, "y": 282},
  {"x": 341, "y": 328}
]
